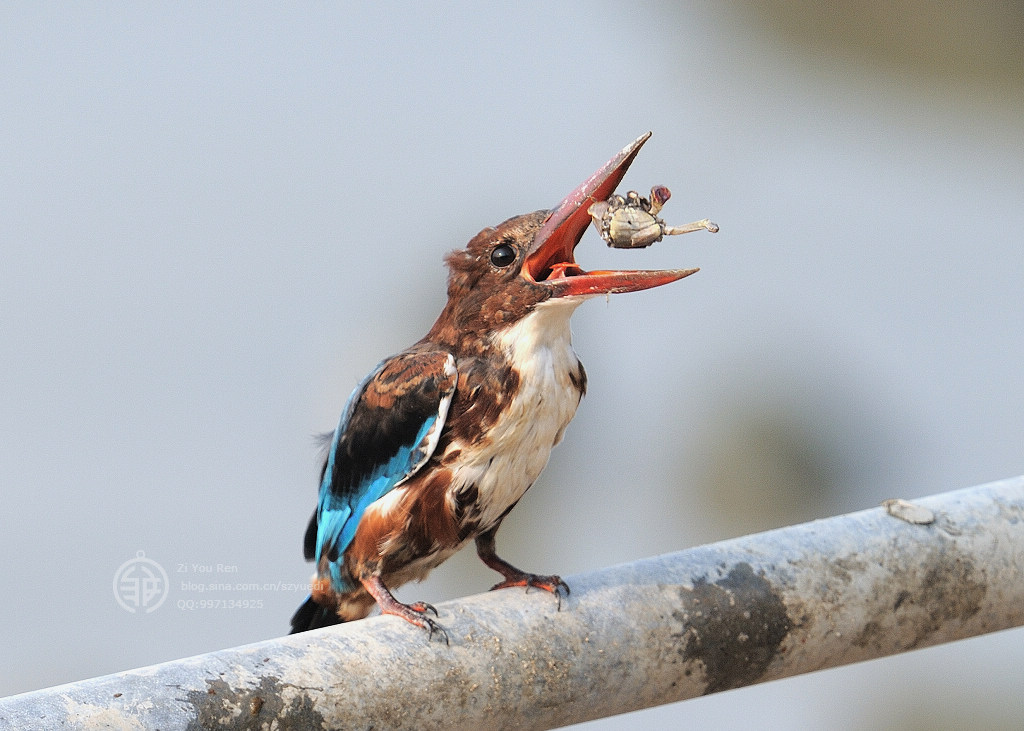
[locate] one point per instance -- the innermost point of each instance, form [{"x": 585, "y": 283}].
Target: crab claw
[{"x": 659, "y": 197}]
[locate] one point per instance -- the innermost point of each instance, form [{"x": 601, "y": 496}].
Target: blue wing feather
[{"x": 387, "y": 431}]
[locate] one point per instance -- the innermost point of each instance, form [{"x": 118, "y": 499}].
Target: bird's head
[{"x": 507, "y": 270}]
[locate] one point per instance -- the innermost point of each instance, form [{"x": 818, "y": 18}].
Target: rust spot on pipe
[
  {"x": 734, "y": 627},
  {"x": 262, "y": 706},
  {"x": 945, "y": 587}
]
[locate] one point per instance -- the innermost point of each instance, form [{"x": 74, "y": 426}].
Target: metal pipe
[{"x": 726, "y": 615}]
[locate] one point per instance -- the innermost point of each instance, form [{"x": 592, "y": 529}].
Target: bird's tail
[{"x": 312, "y": 615}]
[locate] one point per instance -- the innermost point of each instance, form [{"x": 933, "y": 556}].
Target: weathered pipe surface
[{"x": 712, "y": 618}]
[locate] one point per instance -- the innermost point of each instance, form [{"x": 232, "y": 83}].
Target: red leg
[
  {"x": 414, "y": 613},
  {"x": 514, "y": 576}
]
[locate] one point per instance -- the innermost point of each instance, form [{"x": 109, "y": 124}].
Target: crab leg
[{"x": 701, "y": 225}]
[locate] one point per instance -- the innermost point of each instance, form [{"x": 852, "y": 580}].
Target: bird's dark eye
[{"x": 502, "y": 255}]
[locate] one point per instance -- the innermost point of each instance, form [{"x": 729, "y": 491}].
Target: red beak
[{"x": 550, "y": 259}]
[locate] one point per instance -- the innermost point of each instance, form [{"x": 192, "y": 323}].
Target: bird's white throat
[{"x": 539, "y": 348}]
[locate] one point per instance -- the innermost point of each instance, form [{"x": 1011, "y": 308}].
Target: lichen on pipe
[{"x": 712, "y": 618}]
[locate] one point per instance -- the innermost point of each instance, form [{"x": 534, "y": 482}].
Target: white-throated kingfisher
[{"x": 438, "y": 443}]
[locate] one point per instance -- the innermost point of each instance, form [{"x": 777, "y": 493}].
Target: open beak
[{"x": 550, "y": 259}]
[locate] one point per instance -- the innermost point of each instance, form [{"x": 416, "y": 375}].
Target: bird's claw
[
  {"x": 552, "y": 584},
  {"x": 420, "y": 619},
  {"x": 432, "y": 627},
  {"x": 416, "y": 613},
  {"x": 423, "y": 608}
]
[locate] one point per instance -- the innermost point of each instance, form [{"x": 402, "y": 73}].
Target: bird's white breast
[{"x": 539, "y": 348}]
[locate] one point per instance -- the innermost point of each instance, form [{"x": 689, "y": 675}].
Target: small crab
[{"x": 632, "y": 222}]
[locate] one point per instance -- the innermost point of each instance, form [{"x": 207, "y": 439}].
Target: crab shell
[{"x": 626, "y": 225}]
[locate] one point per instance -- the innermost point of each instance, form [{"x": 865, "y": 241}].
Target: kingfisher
[{"x": 439, "y": 442}]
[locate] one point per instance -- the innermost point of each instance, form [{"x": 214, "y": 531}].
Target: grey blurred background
[{"x": 217, "y": 217}]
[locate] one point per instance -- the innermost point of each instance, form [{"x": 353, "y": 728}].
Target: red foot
[
  {"x": 414, "y": 613},
  {"x": 422, "y": 607},
  {"x": 553, "y": 584},
  {"x": 514, "y": 576}
]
